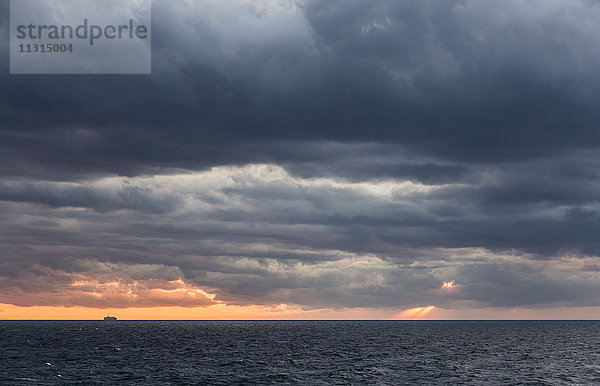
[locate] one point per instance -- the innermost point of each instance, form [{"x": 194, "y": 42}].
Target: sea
[{"x": 299, "y": 352}]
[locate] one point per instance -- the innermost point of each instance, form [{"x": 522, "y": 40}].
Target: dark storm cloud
[
  {"x": 410, "y": 143},
  {"x": 101, "y": 200},
  {"x": 451, "y": 78}
]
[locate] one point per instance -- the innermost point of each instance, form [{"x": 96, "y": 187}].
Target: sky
[{"x": 313, "y": 159}]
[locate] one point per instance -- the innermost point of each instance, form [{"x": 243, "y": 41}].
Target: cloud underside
[
  {"x": 326, "y": 154},
  {"x": 260, "y": 235}
]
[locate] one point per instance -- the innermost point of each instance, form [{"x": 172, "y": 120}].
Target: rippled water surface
[{"x": 390, "y": 352}]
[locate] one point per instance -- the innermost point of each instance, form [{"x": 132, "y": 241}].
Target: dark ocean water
[{"x": 359, "y": 352}]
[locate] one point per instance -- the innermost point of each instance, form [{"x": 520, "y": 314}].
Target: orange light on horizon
[
  {"x": 416, "y": 313},
  {"x": 219, "y": 311}
]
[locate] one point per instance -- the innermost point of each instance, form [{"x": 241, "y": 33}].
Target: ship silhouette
[{"x": 110, "y": 318}]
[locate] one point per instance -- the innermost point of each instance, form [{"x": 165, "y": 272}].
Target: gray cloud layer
[{"x": 323, "y": 153}]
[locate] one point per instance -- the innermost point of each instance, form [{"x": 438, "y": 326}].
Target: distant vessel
[{"x": 110, "y": 318}]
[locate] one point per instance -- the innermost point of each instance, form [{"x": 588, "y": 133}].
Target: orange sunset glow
[
  {"x": 416, "y": 313},
  {"x": 214, "y": 312}
]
